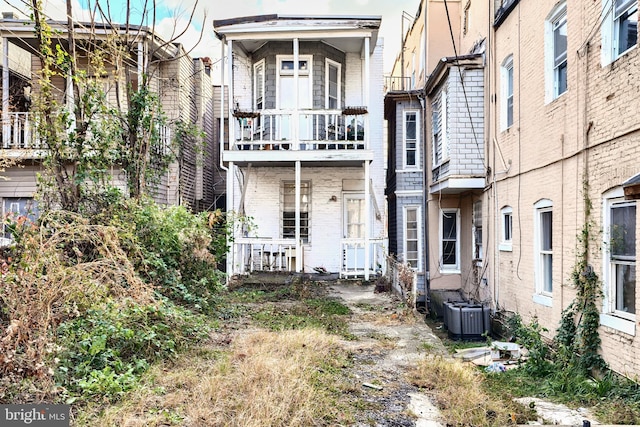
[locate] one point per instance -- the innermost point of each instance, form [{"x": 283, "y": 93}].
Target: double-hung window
[
  {"x": 556, "y": 52},
  {"x": 288, "y": 198},
  {"x": 621, "y": 239},
  {"x": 333, "y": 82},
  {"x": 619, "y": 28},
  {"x": 439, "y": 128},
  {"x": 450, "y": 240},
  {"x": 506, "y": 76},
  {"x": 411, "y": 133},
  {"x": 543, "y": 244},
  {"x": 625, "y": 25},
  {"x": 412, "y": 237}
]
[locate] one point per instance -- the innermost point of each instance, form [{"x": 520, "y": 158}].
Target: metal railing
[{"x": 393, "y": 84}]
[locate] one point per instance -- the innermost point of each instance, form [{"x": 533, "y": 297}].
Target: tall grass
[
  {"x": 264, "y": 379},
  {"x": 458, "y": 393}
]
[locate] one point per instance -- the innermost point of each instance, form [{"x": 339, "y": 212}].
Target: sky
[{"x": 172, "y": 17}]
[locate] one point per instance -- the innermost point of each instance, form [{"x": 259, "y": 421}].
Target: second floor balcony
[
  {"x": 19, "y": 138},
  {"x": 312, "y": 135}
]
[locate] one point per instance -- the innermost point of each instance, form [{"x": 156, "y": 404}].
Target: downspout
[
  {"x": 425, "y": 196},
  {"x": 6, "y": 127}
]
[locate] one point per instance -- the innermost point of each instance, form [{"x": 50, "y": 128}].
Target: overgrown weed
[{"x": 265, "y": 379}]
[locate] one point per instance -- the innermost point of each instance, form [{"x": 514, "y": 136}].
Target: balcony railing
[
  {"x": 397, "y": 84},
  {"x": 302, "y": 130},
  {"x": 19, "y": 132}
]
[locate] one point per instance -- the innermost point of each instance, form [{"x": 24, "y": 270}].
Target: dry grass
[
  {"x": 457, "y": 389},
  {"x": 63, "y": 268},
  {"x": 286, "y": 378}
]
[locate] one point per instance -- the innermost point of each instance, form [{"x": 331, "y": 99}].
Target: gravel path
[{"x": 390, "y": 341}]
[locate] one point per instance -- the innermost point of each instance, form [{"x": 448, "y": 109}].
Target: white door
[
  {"x": 353, "y": 229},
  {"x": 287, "y": 93}
]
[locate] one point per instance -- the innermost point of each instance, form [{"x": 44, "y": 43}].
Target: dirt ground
[
  {"x": 389, "y": 342},
  {"x": 387, "y": 347}
]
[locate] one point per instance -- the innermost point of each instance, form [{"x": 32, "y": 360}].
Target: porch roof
[{"x": 343, "y": 32}]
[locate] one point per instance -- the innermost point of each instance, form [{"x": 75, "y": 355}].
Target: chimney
[{"x": 9, "y": 15}]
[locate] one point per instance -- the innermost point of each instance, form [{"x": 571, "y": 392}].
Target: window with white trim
[
  {"x": 556, "y": 52},
  {"x": 258, "y": 85},
  {"x": 333, "y": 80},
  {"x": 450, "y": 240},
  {"x": 506, "y": 214},
  {"x": 439, "y": 128},
  {"x": 506, "y": 77},
  {"x": 543, "y": 244},
  {"x": 619, "y": 28},
  {"x": 412, "y": 241},
  {"x": 288, "y": 209},
  {"x": 620, "y": 259},
  {"x": 411, "y": 143}
]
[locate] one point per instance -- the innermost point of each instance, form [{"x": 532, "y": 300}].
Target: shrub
[{"x": 103, "y": 352}]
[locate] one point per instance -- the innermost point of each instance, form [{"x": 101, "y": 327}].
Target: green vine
[{"x": 577, "y": 338}]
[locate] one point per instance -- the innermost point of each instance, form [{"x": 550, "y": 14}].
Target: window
[
  {"x": 288, "y": 203},
  {"x": 477, "y": 231},
  {"x": 543, "y": 241},
  {"x": 620, "y": 262},
  {"x": 412, "y": 237},
  {"x": 556, "y": 52},
  {"x": 333, "y": 82},
  {"x": 258, "y": 85},
  {"x": 507, "y": 228},
  {"x": 507, "y": 93},
  {"x": 411, "y": 132},
  {"x": 439, "y": 126},
  {"x": 449, "y": 240},
  {"x": 619, "y": 28},
  {"x": 14, "y": 207}
]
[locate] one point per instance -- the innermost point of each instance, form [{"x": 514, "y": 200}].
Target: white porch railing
[
  {"x": 316, "y": 130},
  {"x": 19, "y": 132},
  {"x": 353, "y": 257},
  {"x": 263, "y": 254}
]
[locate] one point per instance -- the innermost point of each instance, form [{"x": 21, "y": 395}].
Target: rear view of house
[{"x": 304, "y": 150}]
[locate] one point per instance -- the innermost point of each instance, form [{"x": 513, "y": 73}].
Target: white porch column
[
  {"x": 140, "y": 63},
  {"x": 232, "y": 122},
  {"x": 221, "y": 142},
  {"x": 367, "y": 219},
  {"x": 229, "y": 204},
  {"x": 6, "y": 126},
  {"x": 367, "y": 93},
  {"x": 296, "y": 76},
  {"x": 298, "y": 245}
]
